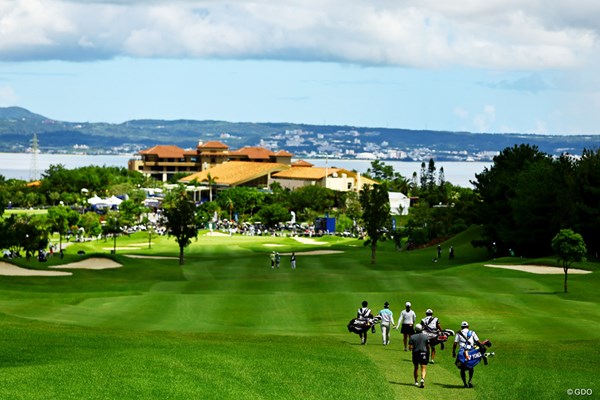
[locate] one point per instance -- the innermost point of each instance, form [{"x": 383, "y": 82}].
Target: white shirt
[
  {"x": 430, "y": 323},
  {"x": 466, "y": 338},
  {"x": 407, "y": 317}
]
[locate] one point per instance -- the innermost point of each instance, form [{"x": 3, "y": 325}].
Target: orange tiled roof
[
  {"x": 301, "y": 163},
  {"x": 253, "y": 153},
  {"x": 213, "y": 145},
  {"x": 314, "y": 173},
  {"x": 283, "y": 153},
  {"x": 164, "y": 151},
  {"x": 233, "y": 173}
]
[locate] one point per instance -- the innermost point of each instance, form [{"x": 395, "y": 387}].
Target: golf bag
[
  {"x": 362, "y": 325},
  {"x": 440, "y": 336},
  {"x": 469, "y": 357}
]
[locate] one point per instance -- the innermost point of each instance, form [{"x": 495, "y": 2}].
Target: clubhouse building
[{"x": 213, "y": 166}]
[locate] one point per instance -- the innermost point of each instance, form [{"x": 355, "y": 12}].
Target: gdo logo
[{"x": 580, "y": 392}]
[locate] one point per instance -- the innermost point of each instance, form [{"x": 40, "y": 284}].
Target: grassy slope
[{"x": 226, "y": 325}]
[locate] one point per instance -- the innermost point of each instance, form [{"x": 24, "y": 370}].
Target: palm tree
[{"x": 211, "y": 182}]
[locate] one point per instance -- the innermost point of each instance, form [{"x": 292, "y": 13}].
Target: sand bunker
[
  {"x": 152, "y": 257},
  {"x": 90, "y": 263},
  {"x": 539, "y": 269},
  {"x": 122, "y": 248},
  {"x": 216, "y": 234},
  {"x": 313, "y": 253},
  {"x": 304, "y": 240},
  {"x": 7, "y": 269}
]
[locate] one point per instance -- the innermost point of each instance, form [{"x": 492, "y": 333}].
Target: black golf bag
[{"x": 362, "y": 325}]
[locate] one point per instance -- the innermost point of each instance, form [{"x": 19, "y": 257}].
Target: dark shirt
[{"x": 419, "y": 342}]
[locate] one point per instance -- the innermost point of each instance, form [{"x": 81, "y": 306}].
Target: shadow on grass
[
  {"x": 447, "y": 386},
  {"x": 543, "y": 292},
  {"x": 402, "y": 383}
]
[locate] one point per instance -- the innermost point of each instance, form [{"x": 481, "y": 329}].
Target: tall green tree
[
  {"x": 497, "y": 190},
  {"x": 179, "y": 213},
  {"x": 375, "y": 203},
  {"x": 61, "y": 219},
  {"x": 587, "y": 189},
  {"x": 569, "y": 248},
  {"x": 113, "y": 225}
]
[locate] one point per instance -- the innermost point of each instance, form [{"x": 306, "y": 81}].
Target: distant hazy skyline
[{"x": 482, "y": 66}]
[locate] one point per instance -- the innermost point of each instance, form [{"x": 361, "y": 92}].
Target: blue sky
[{"x": 481, "y": 66}]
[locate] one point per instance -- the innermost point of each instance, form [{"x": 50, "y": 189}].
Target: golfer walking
[
  {"x": 387, "y": 323},
  {"x": 407, "y": 320},
  {"x": 419, "y": 344},
  {"x": 293, "y": 260}
]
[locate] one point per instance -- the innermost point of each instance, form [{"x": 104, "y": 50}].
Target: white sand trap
[
  {"x": 7, "y": 269},
  {"x": 313, "y": 253},
  {"x": 304, "y": 240},
  {"x": 122, "y": 248},
  {"x": 272, "y": 245},
  {"x": 539, "y": 269},
  {"x": 90, "y": 263},
  {"x": 216, "y": 234},
  {"x": 152, "y": 257}
]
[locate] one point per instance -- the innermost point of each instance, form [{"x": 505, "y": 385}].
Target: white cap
[
  {"x": 408, "y": 304},
  {"x": 429, "y": 311},
  {"x": 418, "y": 328},
  {"x": 464, "y": 324}
]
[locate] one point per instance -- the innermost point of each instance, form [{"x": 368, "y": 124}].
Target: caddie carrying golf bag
[
  {"x": 362, "y": 325},
  {"x": 469, "y": 357},
  {"x": 439, "y": 337}
]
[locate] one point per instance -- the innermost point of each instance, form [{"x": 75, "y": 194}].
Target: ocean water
[{"x": 25, "y": 166}]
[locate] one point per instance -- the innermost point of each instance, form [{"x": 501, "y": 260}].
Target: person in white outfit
[
  {"x": 407, "y": 321},
  {"x": 387, "y": 323}
]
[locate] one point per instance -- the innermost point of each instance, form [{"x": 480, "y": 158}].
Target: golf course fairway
[{"x": 225, "y": 325}]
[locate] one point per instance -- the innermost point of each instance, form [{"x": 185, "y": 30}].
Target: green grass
[{"x": 225, "y": 325}]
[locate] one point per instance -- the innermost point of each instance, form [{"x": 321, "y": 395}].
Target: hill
[{"x": 17, "y": 126}]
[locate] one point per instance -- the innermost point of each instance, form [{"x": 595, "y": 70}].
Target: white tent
[
  {"x": 399, "y": 203},
  {"x": 114, "y": 201},
  {"x": 95, "y": 200}
]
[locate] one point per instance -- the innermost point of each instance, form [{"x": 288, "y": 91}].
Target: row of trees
[{"x": 527, "y": 196}]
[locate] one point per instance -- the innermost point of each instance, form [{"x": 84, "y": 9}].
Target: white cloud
[{"x": 507, "y": 34}]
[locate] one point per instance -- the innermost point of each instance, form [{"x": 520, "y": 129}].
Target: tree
[
  {"x": 179, "y": 214},
  {"x": 569, "y": 248},
  {"x": 375, "y": 203},
  {"x": 212, "y": 181},
  {"x": 113, "y": 225},
  {"x": 60, "y": 219},
  {"x": 273, "y": 214}
]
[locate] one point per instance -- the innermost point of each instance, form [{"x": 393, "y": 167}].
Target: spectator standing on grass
[
  {"x": 451, "y": 253},
  {"x": 465, "y": 340},
  {"x": 273, "y": 260},
  {"x": 439, "y": 251},
  {"x": 293, "y": 260},
  {"x": 419, "y": 345},
  {"x": 387, "y": 323},
  {"x": 277, "y": 259},
  {"x": 407, "y": 321}
]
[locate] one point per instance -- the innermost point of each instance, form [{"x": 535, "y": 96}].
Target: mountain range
[{"x": 18, "y": 126}]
